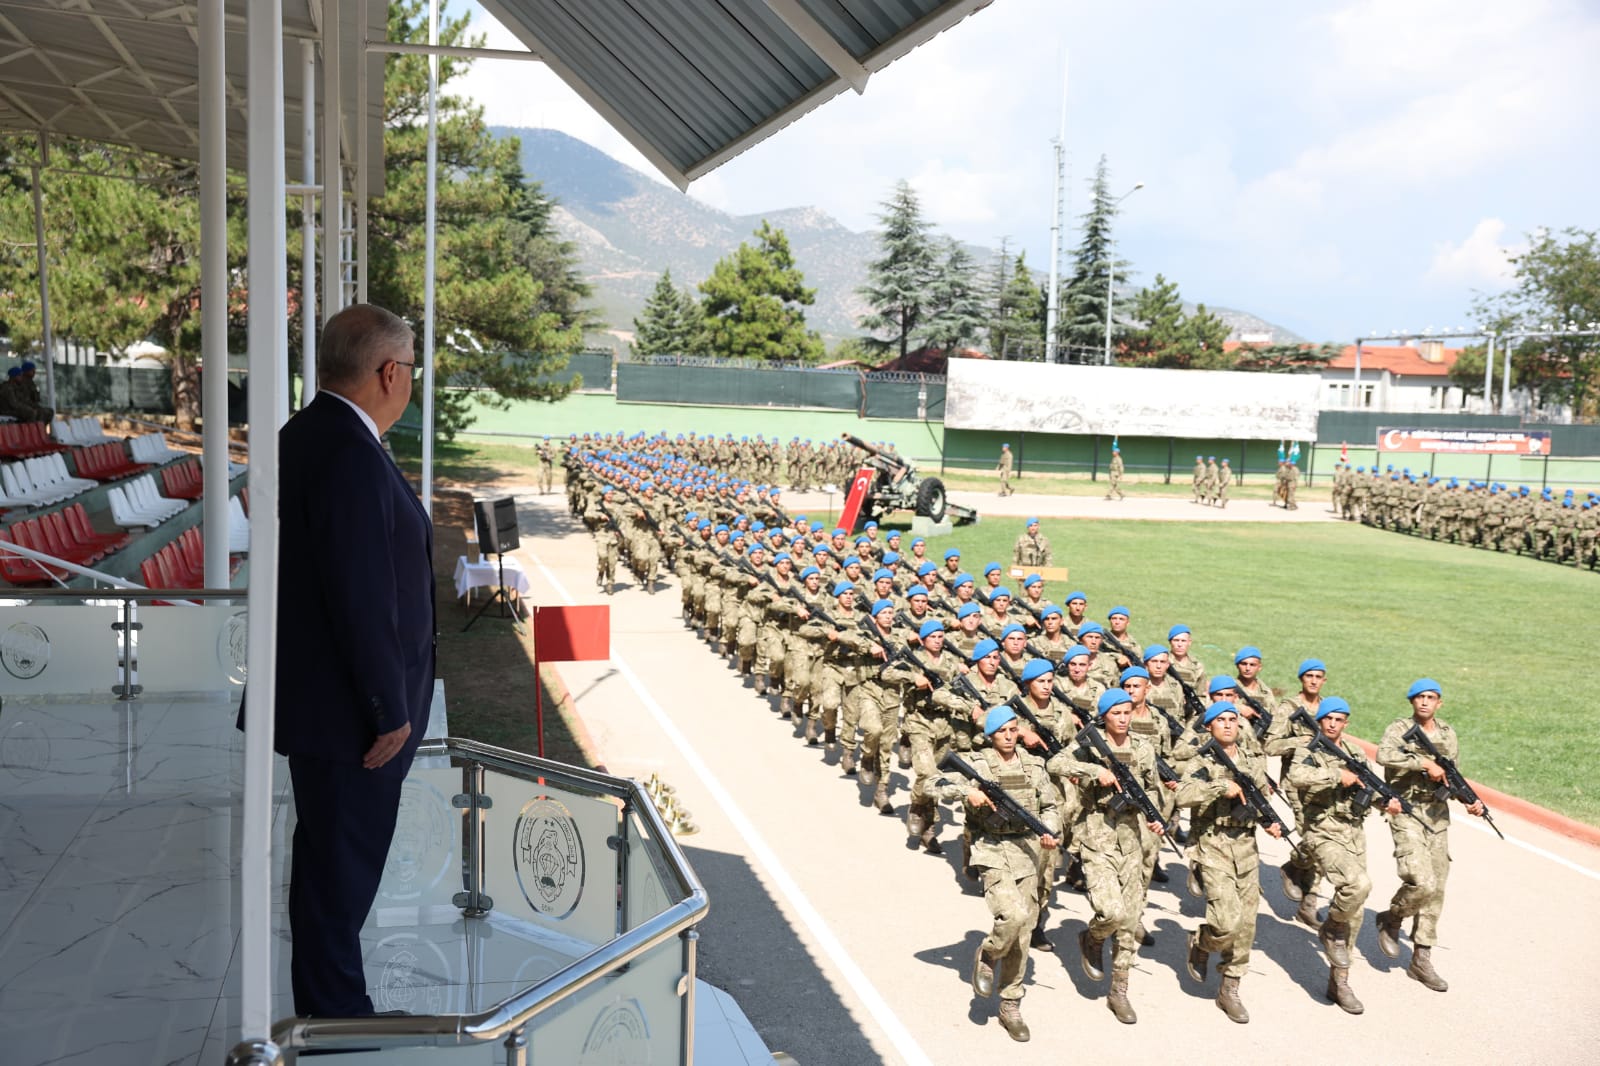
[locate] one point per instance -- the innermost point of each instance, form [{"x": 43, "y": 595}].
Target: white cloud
[{"x": 1478, "y": 260}]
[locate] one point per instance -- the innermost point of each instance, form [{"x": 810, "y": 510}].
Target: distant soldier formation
[
  {"x": 1558, "y": 528},
  {"x": 1071, "y": 748}
]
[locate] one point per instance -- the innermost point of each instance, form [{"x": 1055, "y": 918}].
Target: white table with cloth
[{"x": 485, "y": 574}]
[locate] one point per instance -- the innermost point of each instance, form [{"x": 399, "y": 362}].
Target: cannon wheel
[{"x": 931, "y": 499}]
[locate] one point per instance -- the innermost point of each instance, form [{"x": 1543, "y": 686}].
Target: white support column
[
  {"x": 1505, "y": 379},
  {"x": 1355, "y": 379},
  {"x": 429, "y": 248},
  {"x": 269, "y": 357},
  {"x": 214, "y": 287},
  {"x": 332, "y": 163},
  {"x": 359, "y": 200},
  {"x": 1488, "y": 377},
  {"x": 46, "y": 338},
  {"x": 308, "y": 223}
]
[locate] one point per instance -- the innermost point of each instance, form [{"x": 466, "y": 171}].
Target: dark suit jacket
[{"x": 355, "y": 594}]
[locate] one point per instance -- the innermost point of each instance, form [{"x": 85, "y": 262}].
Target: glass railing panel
[
  {"x": 58, "y": 651},
  {"x": 190, "y": 649},
  {"x": 550, "y": 857},
  {"x": 424, "y": 868},
  {"x": 632, "y": 1016},
  {"x": 650, "y": 887}
]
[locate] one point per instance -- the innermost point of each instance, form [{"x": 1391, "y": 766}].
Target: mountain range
[{"x": 628, "y": 228}]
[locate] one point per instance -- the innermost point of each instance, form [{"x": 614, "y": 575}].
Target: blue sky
[{"x": 1337, "y": 168}]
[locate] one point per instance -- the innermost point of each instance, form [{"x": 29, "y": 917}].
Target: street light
[{"x": 1111, "y": 271}]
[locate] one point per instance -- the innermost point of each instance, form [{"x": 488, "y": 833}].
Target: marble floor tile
[{"x": 108, "y": 1031}]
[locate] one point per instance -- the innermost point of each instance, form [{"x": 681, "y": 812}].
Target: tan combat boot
[
  {"x": 1229, "y": 1002},
  {"x": 1339, "y": 990},
  {"x": 1091, "y": 954},
  {"x": 1421, "y": 969},
  {"x": 869, "y": 769},
  {"x": 761, "y": 679},
  {"x": 880, "y": 796},
  {"x": 1011, "y": 1020},
  {"x": 1307, "y": 914},
  {"x": 982, "y": 975},
  {"x": 1117, "y": 1002},
  {"x": 847, "y": 761},
  {"x": 915, "y": 820},
  {"x": 1389, "y": 934},
  {"x": 1291, "y": 882},
  {"x": 1198, "y": 958},
  {"x": 811, "y": 731},
  {"x": 1335, "y": 937}
]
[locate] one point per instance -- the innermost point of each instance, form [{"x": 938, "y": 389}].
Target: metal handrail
[
  {"x": 64, "y": 564},
  {"x": 507, "y": 1021},
  {"x": 129, "y": 593}
]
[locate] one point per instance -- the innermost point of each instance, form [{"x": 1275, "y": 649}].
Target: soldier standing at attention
[
  {"x": 1004, "y": 469},
  {"x": 1110, "y": 837},
  {"x": 1224, "y": 834},
  {"x": 1199, "y": 479},
  {"x": 1008, "y": 857},
  {"x": 1115, "y": 474},
  {"x": 1032, "y": 548},
  {"x": 547, "y": 465},
  {"x": 1224, "y": 479},
  {"x": 1421, "y": 843}
]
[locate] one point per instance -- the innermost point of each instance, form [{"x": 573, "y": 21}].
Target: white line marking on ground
[
  {"x": 1559, "y": 860},
  {"x": 867, "y": 995}
]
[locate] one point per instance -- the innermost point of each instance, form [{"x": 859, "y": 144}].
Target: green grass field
[{"x": 1382, "y": 609}]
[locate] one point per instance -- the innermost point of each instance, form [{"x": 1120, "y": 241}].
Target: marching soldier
[
  {"x": 936, "y": 721},
  {"x": 1285, "y": 741},
  {"x": 1114, "y": 475},
  {"x": 547, "y": 466},
  {"x": 1003, "y": 468}
]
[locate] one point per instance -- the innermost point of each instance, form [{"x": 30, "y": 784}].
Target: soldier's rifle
[
  {"x": 1254, "y": 798},
  {"x": 1192, "y": 703},
  {"x": 1129, "y": 792},
  {"x": 1001, "y": 799},
  {"x": 622, "y": 545},
  {"x": 1263, "y": 721},
  {"x": 1371, "y": 784},
  {"x": 1454, "y": 783}
]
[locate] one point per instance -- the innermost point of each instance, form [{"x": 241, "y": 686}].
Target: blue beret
[
  {"x": 1077, "y": 596},
  {"x": 1131, "y": 672},
  {"x": 1333, "y": 705},
  {"x": 1123, "y": 611},
  {"x": 863, "y": 539},
  {"x": 1178, "y": 630},
  {"x": 14, "y": 372},
  {"x": 799, "y": 518},
  {"x": 882, "y": 605},
  {"x": 691, "y": 515},
  {"x": 893, "y": 534},
  {"x": 27, "y": 365},
  {"x": 984, "y": 647},
  {"x": 1048, "y": 611},
  {"x": 925, "y": 569},
  {"x": 722, "y": 527},
  {"x": 757, "y": 526},
  {"x": 1032, "y": 522},
  {"x": 917, "y": 590},
  {"x": 842, "y": 587},
  {"x": 930, "y": 627},
  {"x": 996, "y": 718},
  {"x": 1249, "y": 651},
  {"x": 870, "y": 525},
  {"x": 837, "y": 532},
  {"x": 1074, "y": 652},
  {"x": 1032, "y": 580},
  {"x": 1421, "y": 685},
  {"x": 822, "y": 549},
  {"x": 1037, "y": 668},
  {"x": 808, "y": 571},
  {"x": 962, "y": 579},
  {"x": 989, "y": 568},
  {"x": 738, "y": 534},
  {"x": 1219, "y": 708},
  {"x": 915, "y": 540},
  {"x": 1307, "y": 665},
  {"x": 951, "y": 553},
  {"x": 704, "y": 523},
  {"x": 967, "y": 610},
  {"x": 1090, "y": 627},
  {"x": 998, "y": 591},
  {"x": 782, "y": 557},
  {"x": 1221, "y": 684},
  {"x": 889, "y": 558},
  {"x": 1111, "y": 697},
  {"x": 851, "y": 560},
  {"x": 883, "y": 573},
  {"x": 1154, "y": 650},
  {"x": 1010, "y": 629}
]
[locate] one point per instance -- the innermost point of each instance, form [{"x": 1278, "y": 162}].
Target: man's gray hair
[{"x": 357, "y": 341}]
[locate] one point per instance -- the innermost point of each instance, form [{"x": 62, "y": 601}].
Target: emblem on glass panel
[
  {"x": 620, "y": 1036},
  {"x": 413, "y": 976},
  {"x": 231, "y": 644},
  {"x": 424, "y": 840},
  {"x": 24, "y": 650},
  {"x": 549, "y": 858}
]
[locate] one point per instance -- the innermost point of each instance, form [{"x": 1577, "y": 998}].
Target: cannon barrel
[{"x": 875, "y": 452}]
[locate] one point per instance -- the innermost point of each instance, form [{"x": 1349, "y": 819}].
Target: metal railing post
[
  {"x": 474, "y": 902},
  {"x": 620, "y": 842},
  {"x": 690, "y": 939},
  {"x": 126, "y": 690},
  {"x": 517, "y": 1047}
]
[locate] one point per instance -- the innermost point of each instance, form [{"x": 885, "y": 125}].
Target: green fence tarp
[{"x": 731, "y": 386}]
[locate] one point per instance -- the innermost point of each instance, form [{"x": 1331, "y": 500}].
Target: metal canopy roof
[
  {"x": 126, "y": 72},
  {"x": 692, "y": 83}
]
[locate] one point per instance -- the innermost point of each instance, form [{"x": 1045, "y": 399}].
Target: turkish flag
[
  {"x": 855, "y": 502},
  {"x": 572, "y": 634}
]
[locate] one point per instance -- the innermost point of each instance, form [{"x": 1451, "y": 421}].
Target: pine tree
[
  {"x": 1083, "y": 299},
  {"x": 670, "y": 321},
  {"x": 955, "y": 310},
  {"x": 1017, "y": 331},
  {"x": 897, "y": 282},
  {"x": 753, "y": 303},
  {"x": 1160, "y": 310}
]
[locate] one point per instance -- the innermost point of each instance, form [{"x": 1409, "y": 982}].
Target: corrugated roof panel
[{"x": 706, "y": 40}]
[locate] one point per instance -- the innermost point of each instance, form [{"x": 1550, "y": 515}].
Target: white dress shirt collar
[{"x": 366, "y": 419}]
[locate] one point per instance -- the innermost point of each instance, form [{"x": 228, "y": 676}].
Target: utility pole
[{"x": 1053, "y": 306}]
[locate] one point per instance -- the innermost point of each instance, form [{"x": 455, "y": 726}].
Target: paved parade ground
[{"x": 845, "y": 946}]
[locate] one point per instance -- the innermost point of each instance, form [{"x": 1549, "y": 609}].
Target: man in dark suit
[{"x": 355, "y": 645}]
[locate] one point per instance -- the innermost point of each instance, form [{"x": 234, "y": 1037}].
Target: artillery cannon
[{"x": 897, "y": 486}]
